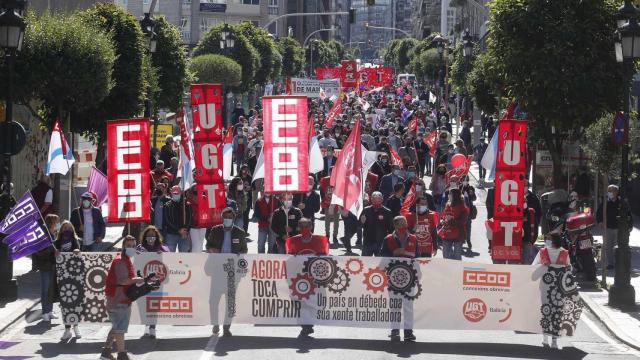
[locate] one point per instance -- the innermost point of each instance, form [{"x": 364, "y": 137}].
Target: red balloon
[{"x": 458, "y": 160}]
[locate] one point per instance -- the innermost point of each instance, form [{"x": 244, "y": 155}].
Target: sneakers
[
  {"x": 46, "y": 317},
  {"x": 152, "y": 333},
  {"x": 306, "y": 331},
  {"x": 66, "y": 335},
  {"x": 106, "y": 354},
  {"x": 52, "y": 316},
  {"x": 226, "y": 333},
  {"x": 216, "y": 329},
  {"x": 76, "y": 331},
  {"x": 149, "y": 332},
  {"x": 555, "y": 345},
  {"x": 409, "y": 337},
  {"x": 122, "y": 356},
  {"x": 395, "y": 336}
]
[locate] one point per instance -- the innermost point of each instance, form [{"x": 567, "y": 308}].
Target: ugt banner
[
  {"x": 206, "y": 102},
  {"x": 286, "y": 144},
  {"x": 128, "y": 170},
  {"x": 506, "y": 243},
  {"x": 376, "y": 77},
  {"x": 202, "y": 289}
]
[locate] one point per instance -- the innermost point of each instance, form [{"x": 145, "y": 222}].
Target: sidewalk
[{"x": 623, "y": 323}]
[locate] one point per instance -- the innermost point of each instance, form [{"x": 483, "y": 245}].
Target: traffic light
[
  {"x": 352, "y": 16},
  {"x": 371, "y": 2}
]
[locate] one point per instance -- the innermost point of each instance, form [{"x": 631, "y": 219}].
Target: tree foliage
[
  {"x": 65, "y": 64},
  {"x": 460, "y": 69},
  {"x": 243, "y": 52},
  {"x": 266, "y": 48},
  {"x": 170, "y": 62},
  {"x": 323, "y": 54},
  {"x": 338, "y": 50},
  {"x": 484, "y": 83},
  {"x": 128, "y": 93},
  {"x": 214, "y": 68},
  {"x": 557, "y": 61},
  {"x": 292, "y": 56},
  {"x": 427, "y": 64},
  {"x": 390, "y": 56}
]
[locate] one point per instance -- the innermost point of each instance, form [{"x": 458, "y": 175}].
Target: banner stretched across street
[
  {"x": 311, "y": 87},
  {"x": 199, "y": 289}
]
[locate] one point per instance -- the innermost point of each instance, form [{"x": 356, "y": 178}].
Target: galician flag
[
  {"x": 60, "y": 157},
  {"x": 316, "y": 162}
]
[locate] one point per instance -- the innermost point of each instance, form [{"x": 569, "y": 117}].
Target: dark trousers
[
  {"x": 351, "y": 227},
  {"x": 482, "y": 172}
]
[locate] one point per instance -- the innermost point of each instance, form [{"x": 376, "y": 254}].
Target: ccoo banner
[
  {"x": 206, "y": 110},
  {"x": 128, "y": 169},
  {"x": 201, "y": 289},
  {"x": 286, "y": 144}
]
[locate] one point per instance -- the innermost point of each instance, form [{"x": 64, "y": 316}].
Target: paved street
[{"x": 24, "y": 340}]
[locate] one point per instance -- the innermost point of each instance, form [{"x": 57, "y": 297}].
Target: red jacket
[
  {"x": 319, "y": 245},
  {"x": 112, "y": 282},
  {"x": 325, "y": 193},
  {"x": 264, "y": 211},
  {"x": 391, "y": 243}
]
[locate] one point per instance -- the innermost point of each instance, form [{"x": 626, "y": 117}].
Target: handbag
[{"x": 136, "y": 291}]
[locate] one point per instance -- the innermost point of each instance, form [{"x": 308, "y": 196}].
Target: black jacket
[
  {"x": 279, "y": 222},
  {"x": 311, "y": 203},
  {"x": 613, "y": 208},
  {"x": 325, "y": 170},
  {"x": 99, "y": 227},
  {"x": 394, "y": 203},
  {"x": 173, "y": 219},
  {"x": 215, "y": 239},
  {"x": 378, "y": 223}
]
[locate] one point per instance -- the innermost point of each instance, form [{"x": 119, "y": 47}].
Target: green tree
[
  {"x": 404, "y": 48},
  {"x": 214, "y": 68},
  {"x": 390, "y": 56},
  {"x": 243, "y": 52},
  {"x": 128, "y": 93},
  {"x": 557, "y": 61},
  {"x": 338, "y": 51},
  {"x": 323, "y": 54},
  {"x": 427, "y": 64},
  {"x": 170, "y": 61},
  {"x": 460, "y": 69},
  {"x": 266, "y": 47},
  {"x": 292, "y": 56},
  {"x": 484, "y": 83},
  {"x": 65, "y": 64}
]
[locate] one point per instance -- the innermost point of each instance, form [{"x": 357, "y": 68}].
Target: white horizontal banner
[
  {"x": 311, "y": 88},
  {"x": 201, "y": 289}
]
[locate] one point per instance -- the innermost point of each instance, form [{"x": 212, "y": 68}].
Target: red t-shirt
[
  {"x": 319, "y": 245},
  {"x": 424, "y": 229}
]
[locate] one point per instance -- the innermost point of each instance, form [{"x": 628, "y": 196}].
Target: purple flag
[
  {"x": 98, "y": 184},
  {"x": 24, "y": 213},
  {"x": 27, "y": 240}
]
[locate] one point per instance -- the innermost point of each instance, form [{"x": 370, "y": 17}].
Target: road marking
[{"x": 209, "y": 350}]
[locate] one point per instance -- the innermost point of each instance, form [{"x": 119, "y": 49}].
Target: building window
[
  {"x": 251, "y": 2},
  {"x": 207, "y": 23},
  {"x": 451, "y": 18},
  {"x": 273, "y": 7},
  {"x": 184, "y": 23},
  {"x": 186, "y": 1}
]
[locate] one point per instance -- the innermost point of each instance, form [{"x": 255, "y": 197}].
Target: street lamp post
[
  {"x": 622, "y": 293},
  {"x": 148, "y": 25},
  {"x": 467, "y": 51},
  {"x": 12, "y": 27},
  {"x": 227, "y": 43}
]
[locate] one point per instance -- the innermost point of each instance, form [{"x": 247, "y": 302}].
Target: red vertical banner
[
  {"x": 325, "y": 73},
  {"x": 286, "y": 144},
  {"x": 506, "y": 243},
  {"x": 206, "y": 110},
  {"x": 349, "y": 74},
  {"x": 128, "y": 170},
  {"x": 380, "y": 76}
]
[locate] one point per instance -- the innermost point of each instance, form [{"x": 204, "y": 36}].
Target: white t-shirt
[
  {"x": 226, "y": 243},
  {"x": 87, "y": 237},
  {"x": 48, "y": 199}
]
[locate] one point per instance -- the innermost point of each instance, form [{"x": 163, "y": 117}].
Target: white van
[{"x": 407, "y": 77}]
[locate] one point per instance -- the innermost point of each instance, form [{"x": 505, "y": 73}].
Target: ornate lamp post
[
  {"x": 621, "y": 293},
  {"x": 227, "y": 44}
]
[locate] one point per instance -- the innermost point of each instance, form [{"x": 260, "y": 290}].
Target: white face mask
[
  {"x": 150, "y": 240},
  {"x": 240, "y": 187},
  {"x": 58, "y": 225},
  {"x": 175, "y": 197},
  {"x": 418, "y": 188},
  {"x": 548, "y": 243},
  {"x": 423, "y": 208},
  {"x": 130, "y": 252},
  {"x": 227, "y": 223},
  {"x": 610, "y": 196},
  {"x": 287, "y": 203},
  {"x": 86, "y": 204}
]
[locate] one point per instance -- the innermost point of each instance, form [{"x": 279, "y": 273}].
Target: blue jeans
[
  {"x": 174, "y": 241},
  {"x": 452, "y": 249},
  {"x": 266, "y": 236},
  {"x": 46, "y": 277}
]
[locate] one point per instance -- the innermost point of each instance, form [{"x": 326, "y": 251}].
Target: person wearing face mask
[
  {"x": 612, "y": 228},
  {"x": 331, "y": 211},
  {"x": 176, "y": 222},
  {"x": 389, "y": 181},
  {"x": 226, "y": 238},
  {"x": 329, "y": 162},
  {"x": 383, "y": 146},
  {"x": 285, "y": 222},
  {"x": 438, "y": 185},
  {"x": 469, "y": 193},
  {"x": 367, "y": 139},
  {"x": 167, "y": 151},
  {"x": 68, "y": 241},
  {"x": 236, "y": 193},
  {"x": 552, "y": 255},
  {"x": 150, "y": 241},
  {"x": 160, "y": 172},
  {"x": 158, "y": 201},
  {"x": 247, "y": 189},
  {"x": 400, "y": 243},
  {"x": 120, "y": 277},
  {"x": 453, "y": 231},
  {"x": 308, "y": 202},
  {"x": 411, "y": 178},
  {"x": 408, "y": 151},
  {"x": 265, "y": 206},
  {"x": 377, "y": 222},
  {"x": 327, "y": 140},
  {"x": 44, "y": 261},
  {"x": 381, "y": 167},
  {"x": 394, "y": 202},
  {"x": 394, "y": 140},
  {"x": 43, "y": 195},
  {"x": 423, "y": 224},
  {"x": 240, "y": 148},
  {"x": 89, "y": 223}
]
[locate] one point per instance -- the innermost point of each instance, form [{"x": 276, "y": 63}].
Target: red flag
[
  {"x": 228, "y": 138},
  {"x": 347, "y": 175},
  {"x": 413, "y": 125},
  {"x": 409, "y": 201},
  {"x": 184, "y": 134},
  {"x": 337, "y": 106},
  {"x": 430, "y": 140},
  {"x": 395, "y": 158}
]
